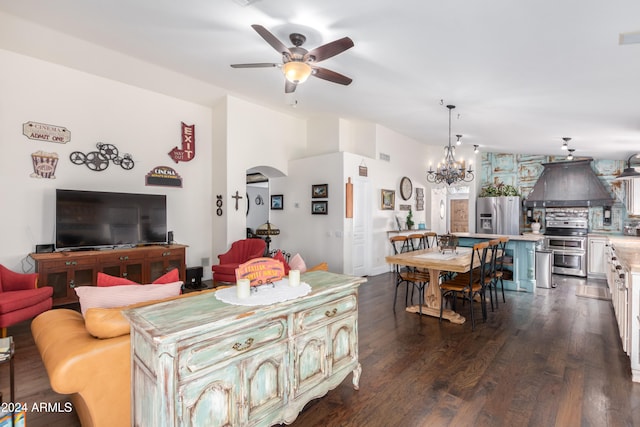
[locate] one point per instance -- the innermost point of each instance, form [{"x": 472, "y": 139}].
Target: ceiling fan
[{"x": 299, "y": 63}]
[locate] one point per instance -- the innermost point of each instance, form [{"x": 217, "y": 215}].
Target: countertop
[
  {"x": 627, "y": 250},
  {"x": 528, "y": 237}
]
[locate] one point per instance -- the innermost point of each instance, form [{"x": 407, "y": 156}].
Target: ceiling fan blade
[
  {"x": 255, "y": 65},
  {"x": 332, "y": 76},
  {"x": 289, "y": 87},
  {"x": 271, "y": 39},
  {"x": 330, "y": 49}
]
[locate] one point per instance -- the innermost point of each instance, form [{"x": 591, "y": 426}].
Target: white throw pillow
[
  {"x": 297, "y": 263},
  {"x": 120, "y": 296}
]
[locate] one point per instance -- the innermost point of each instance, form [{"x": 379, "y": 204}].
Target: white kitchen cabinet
[
  {"x": 633, "y": 196},
  {"x": 596, "y": 264},
  {"x": 623, "y": 277},
  {"x": 198, "y": 361}
]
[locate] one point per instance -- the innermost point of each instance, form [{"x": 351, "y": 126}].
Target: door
[
  {"x": 459, "y": 220},
  {"x": 361, "y": 253}
]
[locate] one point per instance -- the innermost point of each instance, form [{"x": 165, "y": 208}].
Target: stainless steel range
[{"x": 566, "y": 236}]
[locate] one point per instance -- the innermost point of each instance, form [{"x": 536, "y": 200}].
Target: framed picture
[
  {"x": 320, "y": 191},
  {"x": 388, "y": 198},
  {"x": 277, "y": 201},
  {"x": 319, "y": 208}
]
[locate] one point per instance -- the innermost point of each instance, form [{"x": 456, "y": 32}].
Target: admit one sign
[{"x": 44, "y": 132}]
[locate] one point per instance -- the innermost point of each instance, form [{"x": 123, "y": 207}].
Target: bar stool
[
  {"x": 490, "y": 273},
  {"x": 500, "y": 264}
]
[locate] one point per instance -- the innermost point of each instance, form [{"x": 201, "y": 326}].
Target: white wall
[
  {"x": 142, "y": 123},
  {"x": 139, "y": 106}
]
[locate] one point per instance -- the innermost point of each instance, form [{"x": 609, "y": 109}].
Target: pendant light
[{"x": 629, "y": 172}]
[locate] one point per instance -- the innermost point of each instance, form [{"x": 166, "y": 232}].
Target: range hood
[{"x": 570, "y": 183}]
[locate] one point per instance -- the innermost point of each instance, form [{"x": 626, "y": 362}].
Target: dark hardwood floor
[{"x": 550, "y": 359}]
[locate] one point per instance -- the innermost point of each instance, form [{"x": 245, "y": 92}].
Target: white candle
[
  {"x": 294, "y": 277},
  {"x": 243, "y": 288}
]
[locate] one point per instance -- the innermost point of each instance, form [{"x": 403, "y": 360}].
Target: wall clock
[{"x": 406, "y": 188}]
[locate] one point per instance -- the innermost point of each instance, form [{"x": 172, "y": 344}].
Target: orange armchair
[
  {"x": 240, "y": 252},
  {"x": 20, "y": 298}
]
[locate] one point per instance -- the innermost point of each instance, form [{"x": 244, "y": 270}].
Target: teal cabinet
[
  {"x": 523, "y": 269},
  {"x": 198, "y": 361}
]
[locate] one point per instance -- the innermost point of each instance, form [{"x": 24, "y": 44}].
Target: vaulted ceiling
[{"x": 522, "y": 74}]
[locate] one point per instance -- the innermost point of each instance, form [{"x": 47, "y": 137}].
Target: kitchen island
[
  {"x": 623, "y": 279},
  {"x": 523, "y": 250}
]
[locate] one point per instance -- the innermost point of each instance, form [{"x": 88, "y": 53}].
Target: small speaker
[
  {"x": 170, "y": 237},
  {"x": 44, "y": 249},
  {"x": 194, "y": 277}
]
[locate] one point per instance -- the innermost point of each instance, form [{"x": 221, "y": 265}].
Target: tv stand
[{"x": 65, "y": 270}]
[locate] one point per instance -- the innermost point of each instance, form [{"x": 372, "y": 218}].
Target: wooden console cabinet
[
  {"x": 199, "y": 361},
  {"x": 65, "y": 270}
]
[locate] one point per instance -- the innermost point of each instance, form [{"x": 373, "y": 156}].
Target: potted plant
[
  {"x": 498, "y": 190},
  {"x": 410, "y": 220}
]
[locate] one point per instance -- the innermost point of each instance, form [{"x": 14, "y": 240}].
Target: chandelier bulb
[
  {"x": 475, "y": 149},
  {"x": 458, "y": 142}
]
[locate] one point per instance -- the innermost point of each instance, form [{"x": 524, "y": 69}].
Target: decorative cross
[{"x": 237, "y": 197}]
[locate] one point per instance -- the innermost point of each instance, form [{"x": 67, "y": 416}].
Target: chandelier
[{"x": 450, "y": 171}]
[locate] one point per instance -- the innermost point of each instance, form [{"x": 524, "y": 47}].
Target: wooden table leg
[{"x": 431, "y": 306}]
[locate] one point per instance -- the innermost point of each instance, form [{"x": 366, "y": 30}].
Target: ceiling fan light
[{"x": 296, "y": 72}]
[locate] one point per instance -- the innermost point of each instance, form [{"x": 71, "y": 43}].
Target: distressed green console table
[{"x": 198, "y": 361}]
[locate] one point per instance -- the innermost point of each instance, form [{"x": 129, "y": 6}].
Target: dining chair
[
  {"x": 430, "y": 239},
  {"x": 416, "y": 241},
  {"x": 407, "y": 275},
  {"x": 468, "y": 285}
]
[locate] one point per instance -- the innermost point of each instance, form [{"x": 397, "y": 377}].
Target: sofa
[{"x": 89, "y": 358}]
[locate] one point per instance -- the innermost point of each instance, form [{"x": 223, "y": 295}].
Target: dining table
[{"x": 436, "y": 261}]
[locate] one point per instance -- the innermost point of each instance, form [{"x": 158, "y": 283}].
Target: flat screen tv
[{"x": 94, "y": 219}]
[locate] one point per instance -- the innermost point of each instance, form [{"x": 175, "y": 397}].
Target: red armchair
[
  {"x": 241, "y": 251},
  {"x": 20, "y": 298}
]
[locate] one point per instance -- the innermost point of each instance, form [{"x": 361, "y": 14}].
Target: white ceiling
[{"x": 522, "y": 74}]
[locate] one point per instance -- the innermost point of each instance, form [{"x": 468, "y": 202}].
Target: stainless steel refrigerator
[{"x": 498, "y": 215}]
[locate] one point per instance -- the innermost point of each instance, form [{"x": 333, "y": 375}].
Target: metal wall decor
[
  {"x": 99, "y": 160},
  {"x": 237, "y": 197},
  {"x": 188, "y": 150},
  {"x": 219, "y": 204}
]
